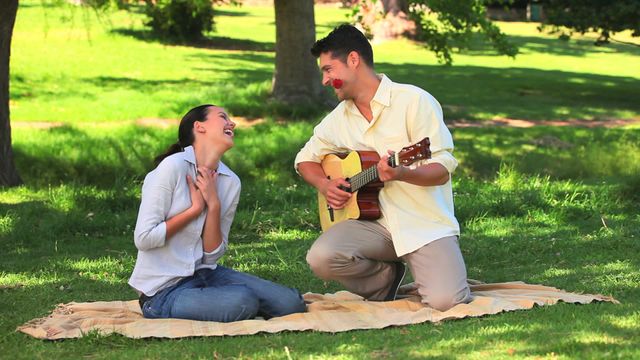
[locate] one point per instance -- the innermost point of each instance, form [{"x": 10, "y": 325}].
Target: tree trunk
[
  {"x": 296, "y": 80},
  {"x": 386, "y": 19},
  {"x": 394, "y": 7},
  {"x": 8, "y": 173}
]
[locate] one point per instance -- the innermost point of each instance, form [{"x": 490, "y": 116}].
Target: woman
[{"x": 188, "y": 204}]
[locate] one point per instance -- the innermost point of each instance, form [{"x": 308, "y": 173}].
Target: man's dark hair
[{"x": 341, "y": 41}]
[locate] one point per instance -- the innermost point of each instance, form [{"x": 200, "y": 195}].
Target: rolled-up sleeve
[
  {"x": 157, "y": 193},
  {"x": 318, "y": 145},
  {"x": 210, "y": 258},
  {"x": 428, "y": 121}
]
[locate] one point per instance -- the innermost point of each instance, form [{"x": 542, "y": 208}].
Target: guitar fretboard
[
  {"x": 363, "y": 178},
  {"x": 367, "y": 176}
]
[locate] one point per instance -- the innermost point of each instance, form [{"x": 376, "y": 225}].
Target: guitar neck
[{"x": 369, "y": 175}]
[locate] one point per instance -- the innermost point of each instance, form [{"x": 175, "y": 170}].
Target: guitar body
[
  {"x": 359, "y": 169},
  {"x": 364, "y": 202}
]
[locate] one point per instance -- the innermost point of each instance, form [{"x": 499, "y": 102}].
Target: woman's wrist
[
  {"x": 194, "y": 211},
  {"x": 213, "y": 206}
]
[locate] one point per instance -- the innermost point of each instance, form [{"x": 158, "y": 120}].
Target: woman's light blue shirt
[{"x": 162, "y": 262}]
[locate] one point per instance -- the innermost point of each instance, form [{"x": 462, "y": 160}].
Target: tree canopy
[{"x": 604, "y": 17}]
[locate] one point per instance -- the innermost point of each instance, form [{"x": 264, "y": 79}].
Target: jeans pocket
[{"x": 150, "y": 311}]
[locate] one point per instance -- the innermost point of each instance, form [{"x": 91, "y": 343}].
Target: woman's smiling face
[{"x": 218, "y": 127}]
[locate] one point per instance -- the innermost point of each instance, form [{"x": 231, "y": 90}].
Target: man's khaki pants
[{"x": 360, "y": 255}]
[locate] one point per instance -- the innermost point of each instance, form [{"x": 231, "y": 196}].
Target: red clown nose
[{"x": 336, "y": 83}]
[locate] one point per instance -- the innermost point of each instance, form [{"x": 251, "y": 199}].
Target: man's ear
[{"x": 353, "y": 59}]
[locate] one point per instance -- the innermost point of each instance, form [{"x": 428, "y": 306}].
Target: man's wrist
[
  {"x": 402, "y": 173},
  {"x": 323, "y": 186}
]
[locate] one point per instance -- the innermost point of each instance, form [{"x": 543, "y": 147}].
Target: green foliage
[
  {"x": 605, "y": 17},
  {"x": 445, "y": 25},
  {"x": 134, "y": 76},
  {"x": 185, "y": 20}
]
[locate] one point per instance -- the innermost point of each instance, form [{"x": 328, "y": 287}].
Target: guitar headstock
[{"x": 416, "y": 152}]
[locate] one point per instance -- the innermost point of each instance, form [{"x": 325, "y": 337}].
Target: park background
[{"x": 553, "y": 200}]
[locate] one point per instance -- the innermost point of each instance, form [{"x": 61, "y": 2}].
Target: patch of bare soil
[
  {"x": 243, "y": 122},
  {"x": 519, "y": 123}
]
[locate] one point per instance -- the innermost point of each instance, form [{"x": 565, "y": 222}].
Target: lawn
[{"x": 550, "y": 205}]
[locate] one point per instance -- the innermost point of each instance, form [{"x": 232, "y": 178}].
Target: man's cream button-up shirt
[{"x": 402, "y": 115}]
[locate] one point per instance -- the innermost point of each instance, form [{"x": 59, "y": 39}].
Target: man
[{"x": 418, "y": 225}]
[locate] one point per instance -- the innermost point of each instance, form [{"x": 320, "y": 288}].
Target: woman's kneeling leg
[{"x": 220, "y": 303}]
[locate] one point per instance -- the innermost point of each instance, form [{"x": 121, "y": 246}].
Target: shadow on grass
[
  {"x": 481, "y": 152},
  {"x": 71, "y": 155},
  {"x": 104, "y": 158},
  {"x": 207, "y": 42},
  {"x": 218, "y": 12},
  {"x": 325, "y": 28},
  {"x": 145, "y": 86},
  {"x": 555, "y": 46},
  {"x": 465, "y": 92},
  {"x": 472, "y": 92},
  {"x": 531, "y": 240}
]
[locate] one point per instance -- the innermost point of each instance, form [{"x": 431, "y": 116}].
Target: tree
[
  {"x": 604, "y": 17},
  {"x": 385, "y": 19},
  {"x": 296, "y": 79},
  {"x": 442, "y": 25},
  {"x": 8, "y": 172}
]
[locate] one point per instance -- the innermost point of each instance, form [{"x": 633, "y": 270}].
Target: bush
[{"x": 184, "y": 20}]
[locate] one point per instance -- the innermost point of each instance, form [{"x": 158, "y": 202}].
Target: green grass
[
  {"x": 556, "y": 206},
  {"x": 68, "y": 237},
  {"x": 69, "y": 66}
]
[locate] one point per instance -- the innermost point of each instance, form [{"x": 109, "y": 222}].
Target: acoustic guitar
[{"x": 365, "y": 184}]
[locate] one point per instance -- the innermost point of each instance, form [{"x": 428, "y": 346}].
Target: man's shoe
[{"x": 400, "y": 272}]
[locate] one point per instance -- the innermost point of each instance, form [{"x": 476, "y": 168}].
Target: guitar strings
[
  {"x": 363, "y": 178},
  {"x": 369, "y": 175}
]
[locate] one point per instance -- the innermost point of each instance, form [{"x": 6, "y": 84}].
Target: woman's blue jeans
[{"x": 223, "y": 295}]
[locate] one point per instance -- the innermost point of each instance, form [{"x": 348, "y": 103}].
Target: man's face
[{"x": 334, "y": 69}]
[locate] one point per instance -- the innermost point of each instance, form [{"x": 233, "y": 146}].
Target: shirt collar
[
  {"x": 383, "y": 94},
  {"x": 190, "y": 156}
]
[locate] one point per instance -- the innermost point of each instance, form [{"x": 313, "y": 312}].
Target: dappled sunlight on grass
[
  {"x": 7, "y": 222},
  {"x": 72, "y": 271},
  {"x": 548, "y": 205},
  {"x": 12, "y": 280},
  {"x": 630, "y": 322},
  {"x": 134, "y": 76},
  {"x": 104, "y": 269}
]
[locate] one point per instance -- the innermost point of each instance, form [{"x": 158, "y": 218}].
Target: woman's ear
[{"x": 197, "y": 126}]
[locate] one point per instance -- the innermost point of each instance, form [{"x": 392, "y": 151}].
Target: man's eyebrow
[{"x": 325, "y": 67}]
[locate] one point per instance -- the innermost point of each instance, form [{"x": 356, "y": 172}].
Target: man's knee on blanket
[{"x": 445, "y": 300}]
